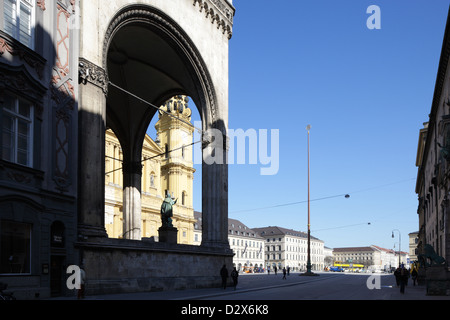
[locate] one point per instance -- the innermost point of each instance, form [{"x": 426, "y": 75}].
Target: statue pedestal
[
  {"x": 438, "y": 281},
  {"x": 168, "y": 234}
]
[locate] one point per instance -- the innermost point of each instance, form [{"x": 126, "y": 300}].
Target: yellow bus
[{"x": 350, "y": 266}]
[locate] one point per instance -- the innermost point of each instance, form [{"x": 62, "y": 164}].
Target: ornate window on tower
[{"x": 183, "y": 198}]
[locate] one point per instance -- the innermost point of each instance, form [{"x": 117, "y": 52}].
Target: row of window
[
  {"x": 237, "y": 242},
  {"x": 293, "y": 240},
  {"x": 248, "y": 254},
  {"x": 278, "y": 256},
  {"x": 292, "y": 249}
]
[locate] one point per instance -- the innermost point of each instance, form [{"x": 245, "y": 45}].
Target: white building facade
[
  {"x": 246, "y": 243},
  {"x": 373, "y": 258},
  {"x": 289, "y": 248}
]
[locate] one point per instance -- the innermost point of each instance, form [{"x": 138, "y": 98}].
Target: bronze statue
[
  {"x": 166, "y": 211},
  {"x": 430, "y": 255}
]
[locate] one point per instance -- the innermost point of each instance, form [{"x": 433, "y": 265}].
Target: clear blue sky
[{"x": 365, "y": 93}]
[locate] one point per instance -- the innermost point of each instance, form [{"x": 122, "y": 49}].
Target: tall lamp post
[
  {"x": 308, "y": 263},
  {"x": 399, "y": 245}
]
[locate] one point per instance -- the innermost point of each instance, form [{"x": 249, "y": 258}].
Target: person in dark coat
[
  {"x": 234, "y": 276},
  {"x": 403, "y": 279},
  {"x": 397, "y": 276},
  {"x": 414, "y": 275},
  {"x": 224, "y": 275}
]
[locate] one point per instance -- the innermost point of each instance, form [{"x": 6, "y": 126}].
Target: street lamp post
[
  {"x": 399, "y": 245},
  {"x": 308, "y": 263}
]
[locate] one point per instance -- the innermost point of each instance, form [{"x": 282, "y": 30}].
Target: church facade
[{"x": 167, "y": 168}]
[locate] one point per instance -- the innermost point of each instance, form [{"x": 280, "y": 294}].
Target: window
[
  {"x": 15, "y": 244},
  {"x": 17, "y": 128},
  {"x": 18, "y": 20}
]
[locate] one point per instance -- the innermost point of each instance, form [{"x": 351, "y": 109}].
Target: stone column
[
  {"x": 91, "y": 150},
  {"x": 132, "y": 175},
  {"x": 215, "y": 190}
]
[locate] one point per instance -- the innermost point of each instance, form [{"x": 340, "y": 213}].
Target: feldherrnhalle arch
[{"x": 154, "y": 49}]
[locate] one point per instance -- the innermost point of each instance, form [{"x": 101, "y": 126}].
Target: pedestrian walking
[
  {"x": 288, "y": 270},
  {"x": 397, "y": 276},
  {"x": 284, "y": 273},
  {"x": 403, "y": 279},
  {"x": 234, "y": 276},
  {"x": 275, "y": 269},
  {"x": 268, "y": 270},
  {"x": 414, "y": 275},
  {"x": 224, "y": 275}
]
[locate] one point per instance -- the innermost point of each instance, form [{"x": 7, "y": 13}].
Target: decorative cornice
[
  {"x": 90, "y": 72},
  {"x": 18, "y": 80},
  {"x": 219, "y": 12},
  {"x": 15, "y": 48}
]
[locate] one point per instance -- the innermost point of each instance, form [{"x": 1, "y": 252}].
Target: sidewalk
[{"x": 392, "y": 292}]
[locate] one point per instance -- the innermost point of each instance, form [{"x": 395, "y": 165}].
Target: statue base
[
  {"x": 308, "y": 273},
  {"x": 437, "y": 281},
  {"x": 168, "y": 234}
]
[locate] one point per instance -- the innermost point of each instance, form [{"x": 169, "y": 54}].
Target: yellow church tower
[
  {"x": 171, "y": 172},
  {"x": 175, "y": 134}
]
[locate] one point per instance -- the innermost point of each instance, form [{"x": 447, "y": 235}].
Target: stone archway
[
  {"x": 147, "y": 58},
  {"x": 175, "y": 67},
  {"x": 148, "y": 55}
]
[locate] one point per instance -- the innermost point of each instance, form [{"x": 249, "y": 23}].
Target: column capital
[{"x": 92, "y": 73}]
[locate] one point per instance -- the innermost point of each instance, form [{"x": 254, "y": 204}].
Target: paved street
[
  {"x": 265, "y": 296},
  {"x": 326, "y": 286}
]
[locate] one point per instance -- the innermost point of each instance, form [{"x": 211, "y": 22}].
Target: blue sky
[{"x": 365, "y": 93}]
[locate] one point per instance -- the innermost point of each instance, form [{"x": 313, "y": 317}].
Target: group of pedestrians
[
  {"x": 235, "y": 274},
  {"x": 402, "y": 275},
  {"x": 275, "y": 269},
  {"x": 224, "y": 275}
]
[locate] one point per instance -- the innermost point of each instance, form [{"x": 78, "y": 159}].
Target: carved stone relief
[{"x": 63, "y": 96}]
